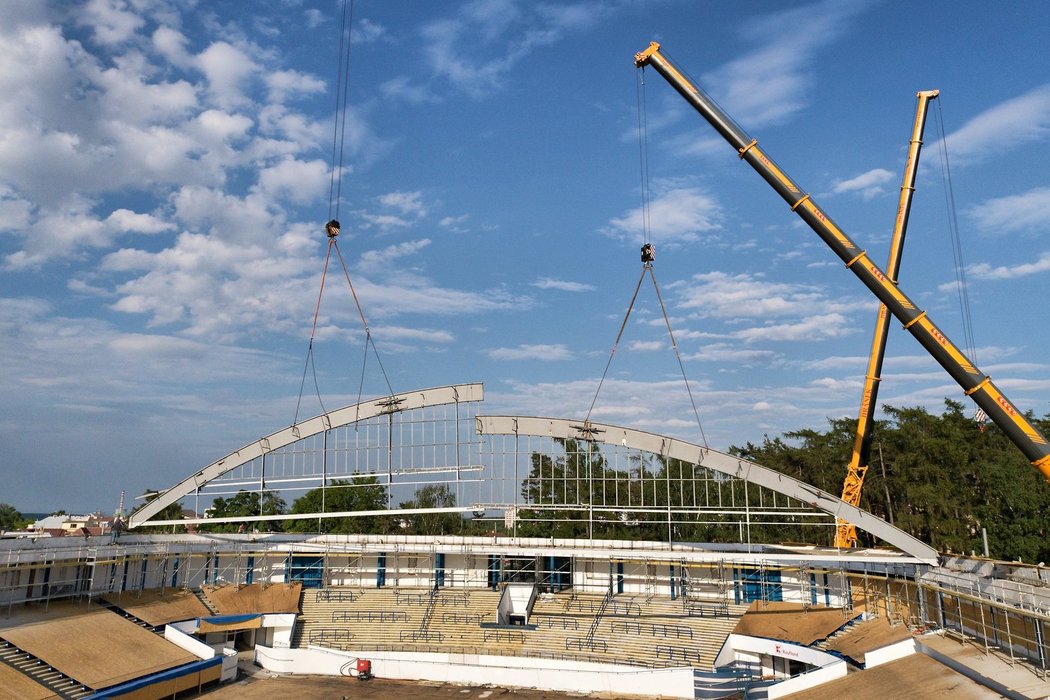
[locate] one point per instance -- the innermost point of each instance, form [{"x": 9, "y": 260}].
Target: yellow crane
[
  {"x": 975, "y": 383},
  {"x": 845, "y": 532}
]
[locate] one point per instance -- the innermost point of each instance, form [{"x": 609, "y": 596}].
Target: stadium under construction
[{"x": 599, "y": 610}]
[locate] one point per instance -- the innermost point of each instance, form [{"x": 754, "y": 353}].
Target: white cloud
[
  {"x": 1020, "y": 213},
  {"x": 546, "y": 353},
  {"x": 171, "y": 44},
  {"x": 720, "y": 295},
  {"x": 984, "y": 271},
  {"x": 867, "y": 184},
  {"x": 376, "y": 259},
  {"x": 562, "y": 285},
  {"x": 677, "y": 215},
  {"x": 502, "y": 33},
  {"x": 1025, "y": 118},
  {"x": 771, "y": 83},
  {"x": 727, "y": 353},
  {"x": 810, "y": 328},
  {"x": 110, "y": 21},
  {"x": 297, "y": 181},
  {"x": 290, "y": 83},
  {"x": 227, "y": 70},
  {"x": 408, "y": 203},
  {"x": 125, "y": 220}
]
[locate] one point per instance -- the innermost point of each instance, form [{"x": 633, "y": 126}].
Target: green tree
[
  {"x": 245, "y": 504},
  {"x": 940, "y": 478},
  {"x": 11, "y": 519},
  {"x": 359, "y": 493},
  {"x": 558, "y": 484},
  {"x": 433, "y": 496},
  {"x": 171, "y": 512}
]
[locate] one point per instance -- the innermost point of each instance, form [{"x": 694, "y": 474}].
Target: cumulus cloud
[
  {"x": 721, "y": 295},
  {"x": 984, "y": 271},
  {"x": 1026, "y": 118},
  {"x": 545, "y": 353},
  {"x": 1020, "y": 213},
  {"x": 562, "y": 285},
  {"x": 677, "y": 215},
  {"x": 810, "y": 328},
  {"x": 867, "y": 185}
]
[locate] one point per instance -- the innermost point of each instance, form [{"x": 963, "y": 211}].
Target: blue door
[
  {"x": 308, "y": 570},
  {"x": 759, "y": 584}
]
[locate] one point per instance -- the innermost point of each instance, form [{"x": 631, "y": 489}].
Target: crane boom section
[
  {"x": 846, "y": 532},
  {"x": 975, "y": 383}
]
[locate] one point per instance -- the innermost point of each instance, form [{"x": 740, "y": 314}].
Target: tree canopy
[
  {"x": 359, "y": 493},
  {"x": 940, "y": 478},
  {"x": 11, "y": 519}
]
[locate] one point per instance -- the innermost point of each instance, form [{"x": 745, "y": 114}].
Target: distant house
[{"x": 91, "y": 525}]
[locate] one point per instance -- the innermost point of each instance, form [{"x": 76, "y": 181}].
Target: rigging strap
[{"x": 647, "y": 257}]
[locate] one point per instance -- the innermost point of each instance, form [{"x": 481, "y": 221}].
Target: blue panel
[
  {"x": 308, "y": 570},
  {"x": 758, "y": 584},
  {"x": 439, "y": 569},
  {"x": 381, "y": 571},
  {"x": 493, "y": 571},
  {"x": 251, "y": 570}
]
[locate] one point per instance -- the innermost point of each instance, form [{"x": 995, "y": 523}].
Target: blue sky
[{"x": 164, "y": 181}]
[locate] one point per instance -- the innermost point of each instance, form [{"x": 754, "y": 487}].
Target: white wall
[
  {"x": 187, "y": 642},
  {"x": 547, "y": 674},
  {"x": 877, "y": 657},
  {"x": 807, "y": 680}
]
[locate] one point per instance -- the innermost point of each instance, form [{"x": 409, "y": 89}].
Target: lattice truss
[
  {"x": 611, "y": 488},
  {"x": 545, "y": 484},
  {"x": 523, "y": 480},
  {"x": 400, "y": 451},
  {"x": 432, "y": 451}
]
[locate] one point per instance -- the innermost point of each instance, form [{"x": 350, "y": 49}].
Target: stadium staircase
[
  {"x": 203, "y": 598},
  {"x": 158, "y": 629},
  {"x": 41, "y": 672}
]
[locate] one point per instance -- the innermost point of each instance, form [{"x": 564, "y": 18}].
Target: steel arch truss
[
  {"x": 679, "y": 481},
  {"x": 540, "y": 476},
  {"x": 402, "y": 440}
]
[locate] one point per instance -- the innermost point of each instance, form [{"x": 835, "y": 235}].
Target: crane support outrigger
[
  {"x": 974, "y": 383},
  {"x": 846, "y": 532}
]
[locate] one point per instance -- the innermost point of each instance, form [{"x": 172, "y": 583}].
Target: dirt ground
[{"x": 260, "y": 687}]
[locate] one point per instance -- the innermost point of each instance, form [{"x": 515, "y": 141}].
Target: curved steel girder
[
  {"x": 311, "y": 426},
  {"x": 711, "y": 459}
]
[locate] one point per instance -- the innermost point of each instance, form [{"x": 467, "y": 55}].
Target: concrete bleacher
[
  {"x": 57, "y": 648},
  {"x": 636, "y": 630}
]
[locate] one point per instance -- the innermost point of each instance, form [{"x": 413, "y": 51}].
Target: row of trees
[
  {"x": 357, "y": 494},
  {"x": 579, "y": 494},
  {"x": 941, "y": 478}
]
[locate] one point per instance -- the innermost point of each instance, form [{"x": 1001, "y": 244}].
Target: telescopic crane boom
[
  {"x": 974, "y": 383},
  {"x": 846, "y": 532}
]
